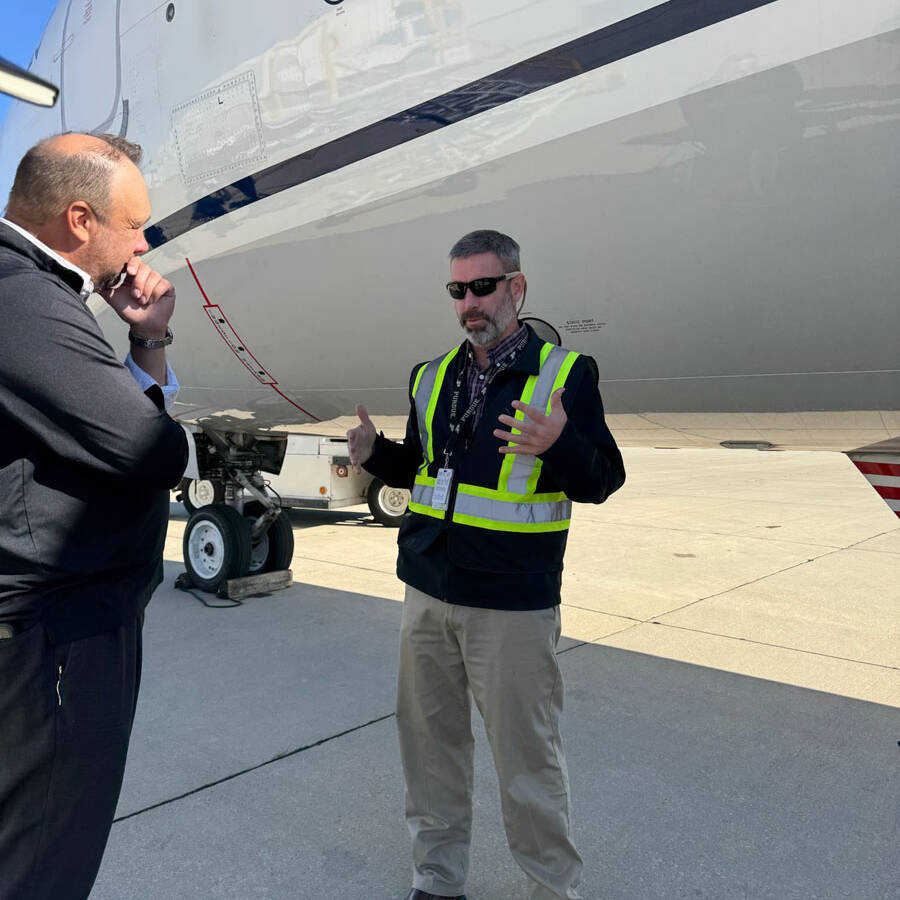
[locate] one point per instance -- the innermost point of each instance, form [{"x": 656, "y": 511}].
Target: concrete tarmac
[{"x": 732, "y": 669}]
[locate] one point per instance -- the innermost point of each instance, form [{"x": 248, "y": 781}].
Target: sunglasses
[{"x": 480, "y": 287}]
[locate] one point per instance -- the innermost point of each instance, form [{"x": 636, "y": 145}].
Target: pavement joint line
[
  {"x": 601, "y": 612},
  {"x": 736, "y": 534},
  {"x": 645, "y": 416},
  {"x": 729, "y": 500},
  {"x": 653, "y": 619},
  {"x": 799, "y": 429},
  {"x": 737, "y": 587},
  {"x": 343, "y": 565},
  {"x": 573, "y": 647},
  {"x": 884, "y": 552},
  {"x": 715, "y": 495},
  {"x": 619, "y": 631},
  {"x": 864, "y": 540},
  {"x": 287, "y": 754},
  {"x": 732, "y": 637}
]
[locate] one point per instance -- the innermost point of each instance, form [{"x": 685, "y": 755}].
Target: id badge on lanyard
[{"x": 440, "y": 498}]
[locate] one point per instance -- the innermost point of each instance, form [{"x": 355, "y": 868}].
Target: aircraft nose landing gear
[{"x": 244, "y": 534}]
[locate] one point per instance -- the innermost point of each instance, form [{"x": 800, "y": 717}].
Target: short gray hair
[
  {"x": 48, "y": 181},
  {"x": 501, "y": 245}
]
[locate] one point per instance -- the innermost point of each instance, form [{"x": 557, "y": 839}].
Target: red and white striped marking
[{"x": 882, "y": 471}]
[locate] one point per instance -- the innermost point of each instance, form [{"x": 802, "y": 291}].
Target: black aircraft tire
[
  {"x": 182, "y": 496},
  {"x": 277, "y": 544},
  {"x": 216, "y": 546},
  {"x": 388, "y": 505}
]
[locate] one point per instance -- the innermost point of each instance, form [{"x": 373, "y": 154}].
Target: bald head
[
  {"x": 67, "y": 168},
  {"x": 75, "y": 142},
  {"x": 83, "y": 196}
]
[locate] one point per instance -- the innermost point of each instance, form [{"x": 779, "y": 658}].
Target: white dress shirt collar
[{"x": 87, "y": 285}]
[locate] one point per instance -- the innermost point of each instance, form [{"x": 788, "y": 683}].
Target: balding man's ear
[{"x": 80, "y": 220}]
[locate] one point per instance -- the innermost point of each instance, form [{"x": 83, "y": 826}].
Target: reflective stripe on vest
[
  {"x": 520, "y": 471},
  {"x": 426, "y": 388},
  {"x": 503, "y": 511},
  {"x": 420, "y": 498},
  {"x": 513, "y": 505}
]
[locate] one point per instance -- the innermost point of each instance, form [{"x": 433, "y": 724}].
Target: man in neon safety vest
[{"x": 504, "y": 432}]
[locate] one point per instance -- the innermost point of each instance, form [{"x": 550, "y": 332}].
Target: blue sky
[{"x": 22, "y": 23}]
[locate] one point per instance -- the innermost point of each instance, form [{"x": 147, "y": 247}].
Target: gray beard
[{"x": 490, "y": 334}]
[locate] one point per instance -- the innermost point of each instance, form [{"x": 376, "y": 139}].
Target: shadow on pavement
[{"x": 264, "y": 765}]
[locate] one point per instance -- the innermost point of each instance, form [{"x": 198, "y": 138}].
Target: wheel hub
[
  {"x": 259, "y": 553},
  {"x": 394, "y": 500},
  {"x": 206, "y": 549},
  {"x": 202, "y": 492}
]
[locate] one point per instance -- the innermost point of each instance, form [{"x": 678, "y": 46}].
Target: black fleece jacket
[{"x": 86, "y": 459}]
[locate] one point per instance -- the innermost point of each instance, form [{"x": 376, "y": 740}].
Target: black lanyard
[{"x": 456, "y": 426}]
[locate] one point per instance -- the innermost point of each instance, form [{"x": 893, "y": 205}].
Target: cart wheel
[
  {"x": 387, "y": 504},
  {"x": 196, "y": 493},
  {"x": 275, "y": 549},
  {"x": 216, "y": 546}
]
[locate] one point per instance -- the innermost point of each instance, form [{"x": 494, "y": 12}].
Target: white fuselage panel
[{"x": 713, "y": 218}]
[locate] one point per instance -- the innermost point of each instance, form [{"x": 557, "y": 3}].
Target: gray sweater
[{"x": 86, "y": 459}]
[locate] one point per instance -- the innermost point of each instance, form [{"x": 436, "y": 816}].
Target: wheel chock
[{"x": 250, "y": 585}]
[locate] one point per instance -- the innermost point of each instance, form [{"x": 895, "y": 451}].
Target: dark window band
[{"x": 625, "y": 38}]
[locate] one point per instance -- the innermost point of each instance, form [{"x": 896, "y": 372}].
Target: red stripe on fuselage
[
  {"x": 198, "y": 282},
  {"x": 273, "y": 384},
  {"x": 872, "y": 468}
]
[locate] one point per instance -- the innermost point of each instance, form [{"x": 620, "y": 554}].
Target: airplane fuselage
[{"x": 706, "y": 201}]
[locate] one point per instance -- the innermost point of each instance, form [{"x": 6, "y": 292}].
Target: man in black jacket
[
  {"x": 87, "y": 457},
  {"x": 504, "y": 432}
]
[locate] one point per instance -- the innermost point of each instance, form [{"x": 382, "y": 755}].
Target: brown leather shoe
[{"x": 421, "y": 895}]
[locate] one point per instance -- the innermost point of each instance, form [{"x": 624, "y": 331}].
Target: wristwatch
[{"x": 150, "y": 343}]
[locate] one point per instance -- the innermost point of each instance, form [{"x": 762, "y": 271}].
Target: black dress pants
[{"x": 65, "y": 722}]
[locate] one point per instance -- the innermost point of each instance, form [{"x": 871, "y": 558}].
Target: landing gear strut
[{"x": 243, "y": 531}]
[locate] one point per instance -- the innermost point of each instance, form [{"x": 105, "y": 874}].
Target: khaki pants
[{"x": 508, "y": 662}]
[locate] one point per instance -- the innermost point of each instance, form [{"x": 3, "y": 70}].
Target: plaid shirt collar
[
  {"x": 496, "y": 355},
  {"x": 498, "y": 352}
]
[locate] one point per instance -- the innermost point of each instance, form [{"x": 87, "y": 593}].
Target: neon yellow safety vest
[{"x": 513, "y": 505}]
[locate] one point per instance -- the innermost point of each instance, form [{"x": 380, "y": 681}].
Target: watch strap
[{"x": 151, "y": 343}]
